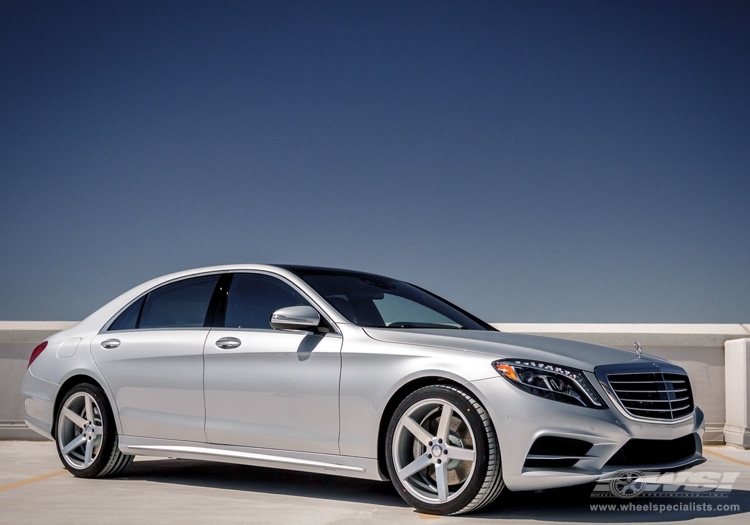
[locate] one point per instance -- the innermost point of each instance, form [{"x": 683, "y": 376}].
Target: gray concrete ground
[{"x": 35, "y": 489}]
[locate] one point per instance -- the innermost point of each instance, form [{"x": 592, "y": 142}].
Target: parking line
[
  {"x": 32, "y": 480},
  {"x": 727, "y": 458}
]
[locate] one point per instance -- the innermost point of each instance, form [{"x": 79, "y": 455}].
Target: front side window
[{"x": 253, "y": 298}]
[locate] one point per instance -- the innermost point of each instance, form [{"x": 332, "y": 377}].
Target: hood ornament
[{"x": 638, "y": 349}]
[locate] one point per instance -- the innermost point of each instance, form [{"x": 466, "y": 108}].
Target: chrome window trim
[{"x": 313, "y": 303}]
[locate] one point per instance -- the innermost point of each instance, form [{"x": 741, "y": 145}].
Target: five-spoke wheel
[
  {"x": 441, "y": 452},
  {"x": 79, "y": 430},
  {"x": 86, "y": 436}
]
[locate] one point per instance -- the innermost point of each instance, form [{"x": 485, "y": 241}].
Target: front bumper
[{"x": 521, "y": 419}]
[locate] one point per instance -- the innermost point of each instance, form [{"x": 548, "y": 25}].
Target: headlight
[{"x": 567, "y": 385}]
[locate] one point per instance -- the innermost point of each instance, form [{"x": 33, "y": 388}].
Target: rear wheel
[
  {"x": 86, "y": 435},
  {"x": 442, "y": 452}
]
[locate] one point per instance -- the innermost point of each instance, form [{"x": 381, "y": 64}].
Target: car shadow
[
  {"x": 246, "y": 478},
  {"x": 572, "y": 504}
]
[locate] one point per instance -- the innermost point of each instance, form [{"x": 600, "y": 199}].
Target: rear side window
[
  {"x": 182, "y": 304},
  {"x": 128, "y": 320},
  {"x": 254, "y": 297}
]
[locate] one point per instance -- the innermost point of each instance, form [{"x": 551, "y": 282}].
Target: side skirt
[{"x": 348, "y": 466}]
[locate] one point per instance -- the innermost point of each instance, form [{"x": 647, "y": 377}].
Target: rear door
[{"x": 152, "y": 359}]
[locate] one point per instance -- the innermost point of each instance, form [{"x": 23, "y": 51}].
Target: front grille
[{"x": 653, "y": 395}]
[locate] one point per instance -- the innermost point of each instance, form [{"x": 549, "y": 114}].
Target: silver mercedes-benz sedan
[{"x": 353, "y": 374}]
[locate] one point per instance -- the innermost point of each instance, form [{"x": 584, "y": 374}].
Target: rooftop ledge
[
  {"x": 625, "y": 334},
  {"x": 612, "y": 334}
]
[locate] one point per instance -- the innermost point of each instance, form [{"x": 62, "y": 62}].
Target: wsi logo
[{"x": 633, "y": 483}]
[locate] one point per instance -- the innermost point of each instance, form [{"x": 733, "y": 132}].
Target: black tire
[
  {"x": 86, "y": 435},
  {"x": 440, "y": 432}
]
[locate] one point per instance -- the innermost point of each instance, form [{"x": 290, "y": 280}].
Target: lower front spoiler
[
  {"x": 694, "y": 461},
  {"x": 539, "y": 479}
]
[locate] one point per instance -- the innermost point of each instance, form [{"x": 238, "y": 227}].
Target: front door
[{"x": 267, "y": 388}]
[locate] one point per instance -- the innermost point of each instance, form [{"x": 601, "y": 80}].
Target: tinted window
[
  {"x": 180, "y": 304},
  {"x": 254, "y": 297},
  {"x": 128, "y": 320}
]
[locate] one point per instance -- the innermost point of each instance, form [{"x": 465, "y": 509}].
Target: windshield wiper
[{"x": 407, "y": 324}]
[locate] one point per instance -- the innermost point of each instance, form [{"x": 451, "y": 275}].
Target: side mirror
[{"x": 295, "y": 318}]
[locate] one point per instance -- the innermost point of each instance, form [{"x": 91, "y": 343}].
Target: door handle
[
  {"x": 228, "y": 343},
  {"x": 110, "y": 343}
]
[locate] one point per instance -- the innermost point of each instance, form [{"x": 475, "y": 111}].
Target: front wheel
[
  {"x": 86, "y": 435},
  {"x": 442, "y": 452}
]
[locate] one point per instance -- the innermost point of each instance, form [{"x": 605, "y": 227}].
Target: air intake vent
[
  {"x": 658, "y": 392},
  {"x": 647, "y": 452},
  {"x": 556, "y": 452}
]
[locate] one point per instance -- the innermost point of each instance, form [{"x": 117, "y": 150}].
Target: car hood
[{"x": 576, "y": 354}]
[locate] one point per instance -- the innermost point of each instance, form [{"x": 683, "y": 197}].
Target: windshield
[{"x": 379, "y": 302}]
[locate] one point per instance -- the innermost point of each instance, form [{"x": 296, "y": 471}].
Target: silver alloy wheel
[
  {"x": 80, "y": 430},
  {"x": 433, "y": 451}
]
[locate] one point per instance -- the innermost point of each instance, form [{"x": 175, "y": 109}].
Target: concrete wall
[
  {"x": 17, "y": 340},
  {"x": 702, "y": 349},
  {"x": 737, "y": 388}
]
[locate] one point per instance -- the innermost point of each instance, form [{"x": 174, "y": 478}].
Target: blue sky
[{"x": 535, "y": 161}]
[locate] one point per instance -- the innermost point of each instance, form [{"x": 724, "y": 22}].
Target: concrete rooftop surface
[{"x": 35, "y": 489}]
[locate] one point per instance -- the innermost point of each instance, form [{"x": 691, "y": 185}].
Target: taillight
[{"x": 37, "y": 351}]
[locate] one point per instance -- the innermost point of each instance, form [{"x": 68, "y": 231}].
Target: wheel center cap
[{"x": 437, "y": 451}]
